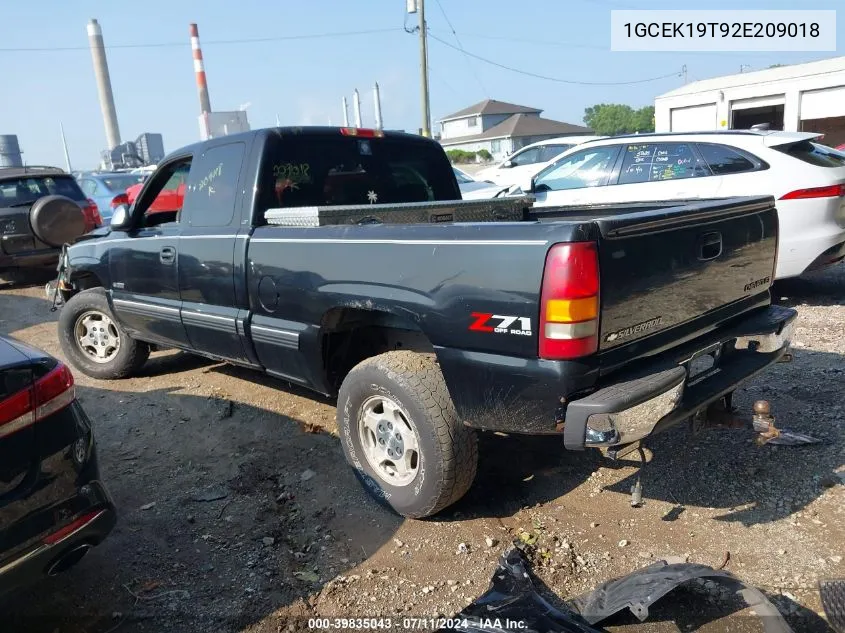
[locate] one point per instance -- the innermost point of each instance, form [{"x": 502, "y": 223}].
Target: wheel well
[
  {"x": 351, "y": 335},
  {"x": 85, "y": 281}
]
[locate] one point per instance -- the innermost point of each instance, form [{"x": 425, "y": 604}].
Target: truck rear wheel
[
  {"x": 402, "y": 436},
  {"x": 93, "y": 341}
]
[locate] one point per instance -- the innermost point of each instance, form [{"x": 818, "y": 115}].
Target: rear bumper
[
  {"x": 29, "y": 567},
  {"x": 30, "y": 259},
  {"x": 664, "y": 393}
]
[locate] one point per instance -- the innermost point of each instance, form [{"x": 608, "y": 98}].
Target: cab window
[
  {"x": 212, "y": 186},
  {"x": 343, "y": 170},
  {"x": 587, "y": 168}
]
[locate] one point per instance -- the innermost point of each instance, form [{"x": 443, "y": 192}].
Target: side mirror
[
  {"x": 120, "y": 217},
  {"x": 507, "y": 163}
]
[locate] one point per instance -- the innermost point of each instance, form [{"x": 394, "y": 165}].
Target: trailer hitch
[{"x": 721, "y": 414}]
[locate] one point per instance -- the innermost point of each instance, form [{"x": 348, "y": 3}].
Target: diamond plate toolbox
[{"x": 493, "y": 210}]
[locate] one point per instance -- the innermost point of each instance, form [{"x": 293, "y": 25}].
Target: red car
[{"x": 169, "y": 199}]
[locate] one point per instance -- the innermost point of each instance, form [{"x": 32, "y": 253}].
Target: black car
[
  {"x": 53, "y": 506},
  {"x": 41, "y": 208}
]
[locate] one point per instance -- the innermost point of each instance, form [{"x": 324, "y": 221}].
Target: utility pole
[{"x": 426, "y": 113}]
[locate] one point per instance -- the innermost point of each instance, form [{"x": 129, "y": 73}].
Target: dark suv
[{"x": 41, "y": 208}]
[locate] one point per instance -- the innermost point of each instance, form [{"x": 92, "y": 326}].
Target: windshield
[
  {"x": 18, "y": 191},
  {"x": 121, "y": 182}
]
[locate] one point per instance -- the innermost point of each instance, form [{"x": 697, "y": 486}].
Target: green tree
[{"x": 610, "y": 119}]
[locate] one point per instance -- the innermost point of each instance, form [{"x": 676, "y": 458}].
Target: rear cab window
[
  {"x": 26, "y": 189},
  {"x": 302, "y": 170},
  {"x": 651, "y": 162},
  {"x": 813, "y": 153}
]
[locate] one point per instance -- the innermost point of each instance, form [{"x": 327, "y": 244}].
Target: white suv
[
  {"x": 527, "y": 161},
  {"x": 806, "y": 178}
]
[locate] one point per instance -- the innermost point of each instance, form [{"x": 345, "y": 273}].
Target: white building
[
  {"x": 500, "y": 128},
  {"x": 799, "y": 98},
  {"x": 222, "y": 123}
]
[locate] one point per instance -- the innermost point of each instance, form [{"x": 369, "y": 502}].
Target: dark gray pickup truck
[{"x": 343, "y": 260}]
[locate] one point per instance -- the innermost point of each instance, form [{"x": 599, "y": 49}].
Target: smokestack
[
  {"x": 345, "y": 113},
  {"x": 377, "y": 102},
  {"x": 199, "y": 70},
  {"x": 356, "y": 107},
  {"x": 101, "y": 73}
]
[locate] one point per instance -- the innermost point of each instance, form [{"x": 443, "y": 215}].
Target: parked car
[
  {"x": 474, "y": 189},
  {"x": 806, "y": 178},
  {"x": 530, "y": 159},
  {"x": 169, "y": 198},
  {"x": 53, "y": 505},
  {"x": 41, "y": 208},
  {"x": 108, "y": 189},
  {"x": 297, "y": 254}
]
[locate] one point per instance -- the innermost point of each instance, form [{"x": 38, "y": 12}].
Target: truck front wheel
[
  {"x": 93, "y": 341},
  {"x": 402, "y": 436}
]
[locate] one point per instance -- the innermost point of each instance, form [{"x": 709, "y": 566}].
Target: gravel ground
[{"x": 238, "y": 513}]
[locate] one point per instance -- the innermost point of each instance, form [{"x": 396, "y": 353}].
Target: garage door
[
  {"x": 694, "y": 118},
  {"x": 758, "y": 102},
  {"x": 822, "y": 104}
]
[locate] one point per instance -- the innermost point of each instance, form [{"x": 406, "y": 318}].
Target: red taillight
[
  {"x": 569, "y": 302},
  {"x": 833, "y": 191},
  {"x": 92, "y": 214},
  {"x": 48, "y": 395},
  {"x": 70, "y": 528},
  {"x": 362, "y": 132},
  {"x": 119, "y": 199}
]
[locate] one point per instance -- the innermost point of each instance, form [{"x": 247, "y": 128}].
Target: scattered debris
[
  {"x": 623, "y": 543},
  {"x": 463, "y": 548},
  {"x": 490, "y": 542},
  {"x": 148, "y": 506},
  {"x": 307, "y": 474},
  {"x": 511, "y": 597},
  {"x": 398, "y": 543},
  {"x": 268, "y": 540}
]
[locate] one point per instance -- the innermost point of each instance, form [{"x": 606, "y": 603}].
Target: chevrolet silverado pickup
[{"x": 343, "y": 260}]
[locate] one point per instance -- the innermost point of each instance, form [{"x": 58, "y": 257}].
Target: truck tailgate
[{"x": 683, "y": 270}]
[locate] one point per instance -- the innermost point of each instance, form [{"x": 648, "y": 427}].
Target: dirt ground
[{"x": 238, "y": 512}]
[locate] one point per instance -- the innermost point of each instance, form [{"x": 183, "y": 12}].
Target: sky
[{"x": 302, "y": 79}]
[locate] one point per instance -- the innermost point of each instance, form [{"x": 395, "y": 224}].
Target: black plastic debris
[{"x": 512, "y": 603}]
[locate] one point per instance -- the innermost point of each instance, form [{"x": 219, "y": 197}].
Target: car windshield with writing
[
  {"x": 660, "y": 161},
  {"x": 342, "y": 170}
]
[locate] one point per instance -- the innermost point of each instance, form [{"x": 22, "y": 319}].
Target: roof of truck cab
[{"x": 307, "y": 130}]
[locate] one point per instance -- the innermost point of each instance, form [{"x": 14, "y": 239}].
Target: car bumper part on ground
[{"x": 664, "y": 394}]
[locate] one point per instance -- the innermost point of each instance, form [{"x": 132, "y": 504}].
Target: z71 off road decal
[
  {"x": 500, "y": 324},
  {"x": 639, "y": 328}
]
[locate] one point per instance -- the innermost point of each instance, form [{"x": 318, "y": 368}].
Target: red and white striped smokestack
[{"x": 199, "y": 70}]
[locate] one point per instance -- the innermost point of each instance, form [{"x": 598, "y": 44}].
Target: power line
[
  {"x": 461, "y": 47},
  {"x": 556, "y": 79},
  {"x": 525, "y": 40},
  {"x": 206, "y": 43}
]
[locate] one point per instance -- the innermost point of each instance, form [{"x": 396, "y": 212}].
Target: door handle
[
  {"x": 709, "y": 246},
  {"x": 167, "y": 255}
]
